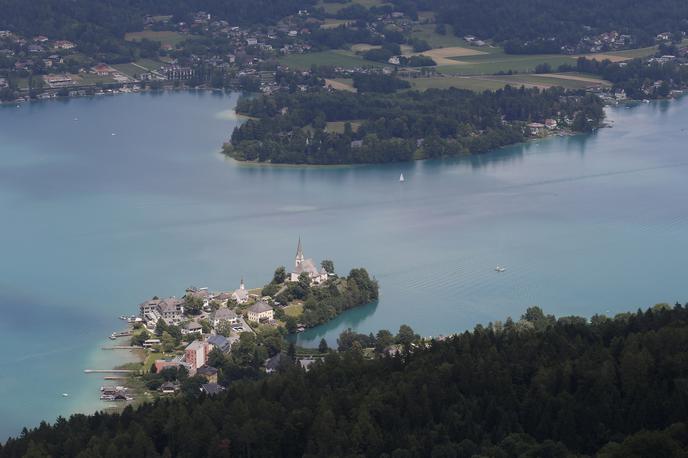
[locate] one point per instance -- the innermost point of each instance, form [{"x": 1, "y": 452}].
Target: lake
[{"x": 108, "y": 201}]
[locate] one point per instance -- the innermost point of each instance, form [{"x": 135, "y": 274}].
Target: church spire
[{"x": 299, "y": 254}]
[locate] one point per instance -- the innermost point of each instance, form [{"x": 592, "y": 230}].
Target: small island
[{"x": 186, "y": 341}]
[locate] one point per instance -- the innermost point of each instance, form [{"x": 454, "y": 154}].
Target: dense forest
[
  {"x": 100, "y": 25},
  {"x": 537, "y": 387},
  {"x": 536, "y": 26},
  {"x": 293, "y": 128},
  {"x": 522, "y": 26}
]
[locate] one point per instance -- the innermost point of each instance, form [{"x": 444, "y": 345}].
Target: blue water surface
[{"x": 93, "y": 223}]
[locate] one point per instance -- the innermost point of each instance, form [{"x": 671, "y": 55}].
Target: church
[{"x": 301, "y": 265}]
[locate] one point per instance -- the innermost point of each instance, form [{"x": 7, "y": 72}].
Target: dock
[
  {"x": 122, "y": 347},
  {"x": 109, "y": 371},
  {"x": 121, "y": 333},
  {"x": 110, "y": 377}
]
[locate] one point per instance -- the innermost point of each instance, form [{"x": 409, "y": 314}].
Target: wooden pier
[{"x": 109, "y": 371}]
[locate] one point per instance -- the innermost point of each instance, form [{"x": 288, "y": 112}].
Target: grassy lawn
[
  {"x": 91, "y": 79},
  {"x": 333, "y": 8},
  {"x": 165, "y": 37},
  {"x": 334, "y": 23},
  {"x": 495, "y": 60},
  {"x": 335, "y": 57},
  {"x": 128, "y": 69},
  {"x": 338, "y": 126},
  {"x": 489, "y": 64},
  {"x": 150, "y": 64},
  {"x": 635, "y": 53},
  {"x": 482, "y": 83},
  {"x": 472, "y": 84},
  {"x": 427, "y": 32},
  {"x": 294, "y": 310}
]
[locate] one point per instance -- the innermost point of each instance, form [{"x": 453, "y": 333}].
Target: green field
[
  {"x": 483, "y": 83},
  {"x": 498, "y": 61},
  {"x": 128, "y": 69},
  {"x": 334, "y": 23},
  {"x": 427, "y": 32},
  {"x": 333, "y": 8},
  {"x": 634, "y": 53},
  {"x": 134, "y": 68},
  {"x": 150, "y": 64},
  {"x": 294, "y": 310},
  {"x": 458, "y": 82},
  {"x": 335, "y": 57},
  {"x": 164, "y": 37},
  {"x": 338, "y": 126},
  {"x": 91, "y": 79}
]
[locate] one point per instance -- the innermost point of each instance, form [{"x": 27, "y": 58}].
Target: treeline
[
  {"x": 536, "y": 387},
  {"x": 636, "y": 77},
  {"x": 536, "y": 26},
  {"x": 378, "y": 82},
  {"x": 292, "y": 127}
]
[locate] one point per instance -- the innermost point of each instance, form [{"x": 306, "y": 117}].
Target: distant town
[{"x": 209, "y": 52}]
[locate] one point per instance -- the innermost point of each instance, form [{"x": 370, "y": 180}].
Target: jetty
[
  {"x": 109, "y": 371},
  {"x": 121, "y": 334},
  {"x": 123, "y": 347}
]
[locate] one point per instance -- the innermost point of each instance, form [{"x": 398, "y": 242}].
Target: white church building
[
  {"x": 301, "y": 265},
  {"x": 240, "y": 295}
]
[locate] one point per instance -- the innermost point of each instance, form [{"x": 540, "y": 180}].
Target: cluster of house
[
  {"x": 37, "y": 52},
  {"x": 195, "y": 357},
  {"x": 115, "y": 393},
  {"x": 606, "y": 41},
  {"x": 171, "y": 309},
  {"x": 195, "y": 360},
  {"x": 539, "y": 129}
]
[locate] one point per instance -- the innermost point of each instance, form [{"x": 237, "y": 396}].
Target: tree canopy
[{"x": 536, "y": 387}]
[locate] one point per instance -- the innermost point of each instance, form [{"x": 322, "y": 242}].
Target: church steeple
[{"x": 299, "y": 254}]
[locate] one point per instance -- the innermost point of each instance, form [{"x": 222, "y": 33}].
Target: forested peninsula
[
  {"x": 540, "y": 386},
  {"x": 340, "y": 127}
]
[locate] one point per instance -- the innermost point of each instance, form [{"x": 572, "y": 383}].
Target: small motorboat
[
  {"x": 65, "y": 395},
  {"x": 500, "y": 269}
]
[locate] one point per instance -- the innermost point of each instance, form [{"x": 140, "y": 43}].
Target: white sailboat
[{"x": 401, "y": 178}]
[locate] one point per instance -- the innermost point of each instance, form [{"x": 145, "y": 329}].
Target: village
[
  {"x": 180, "y": 339},
  {"x": 284, "y": 56}
]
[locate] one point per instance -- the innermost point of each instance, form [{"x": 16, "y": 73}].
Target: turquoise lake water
[{"x": 94, "y": 223}]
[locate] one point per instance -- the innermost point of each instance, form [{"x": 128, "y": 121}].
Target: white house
[
  {"x": 192, "y": 328},
  {"x": 308, "y": 266},
  {"x": 224, "y": 314},
  {"x": 260, "y": 311}
]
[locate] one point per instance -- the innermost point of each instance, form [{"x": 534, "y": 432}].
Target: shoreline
[{"x": 548, "y": 135}]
